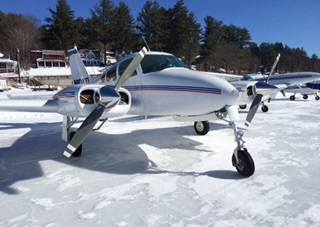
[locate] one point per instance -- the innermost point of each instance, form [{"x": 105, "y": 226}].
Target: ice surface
[{"x": 158, "y": 172}]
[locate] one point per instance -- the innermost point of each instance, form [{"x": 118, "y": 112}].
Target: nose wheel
[
  {"x": 264, "y": 108},
  {"x": 241, "y": 159},
  {"x": 244, "y": 163}
]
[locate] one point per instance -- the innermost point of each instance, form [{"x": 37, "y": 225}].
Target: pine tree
[
  {"x": 152, "y": 23},
  {"x": 123, "y": 28},
  {"x": 61, "y": 32},
  {"x": 102, "y": 18},
  {"x": 184, "y": 32},
  {"x": 211, "y": 38}
]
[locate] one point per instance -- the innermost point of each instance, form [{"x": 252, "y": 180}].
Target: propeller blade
[
  {"x": 273, "y": 66},
  {"x": 253, "y": 109},
  {"x": 84, "y": 130},
  {"x": 131, "y": 67}
]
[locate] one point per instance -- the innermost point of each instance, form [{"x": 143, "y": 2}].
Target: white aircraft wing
[
  {"x": 281, "y": 86},
  {"x": 40, "y": 95},
  {"x": 29, "y": 105}
]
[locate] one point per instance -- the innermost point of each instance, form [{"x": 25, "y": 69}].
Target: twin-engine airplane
[
  {"x": 145, "y": 83},
  {"x": 282, "y": 81}
]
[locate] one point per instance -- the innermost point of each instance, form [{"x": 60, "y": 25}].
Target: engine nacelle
[
  {"x": 81, "y": 100},
  {"x": 247, "y": 91}
]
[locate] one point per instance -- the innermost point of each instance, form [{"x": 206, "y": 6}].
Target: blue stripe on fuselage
[{"x": 174, "y": 88}]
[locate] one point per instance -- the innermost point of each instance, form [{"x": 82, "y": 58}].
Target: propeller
[
  {"x": 253, "y": 109},
  {"x": 273, "y": 67},
  {"x": 262, "y": 89},
  {"x": 109, "y": 98}
]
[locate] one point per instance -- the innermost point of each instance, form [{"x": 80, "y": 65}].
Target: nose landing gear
[{"x": 241, "y": 159}]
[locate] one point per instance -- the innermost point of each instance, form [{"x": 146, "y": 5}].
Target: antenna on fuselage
[{"x": 144, "y": 40}]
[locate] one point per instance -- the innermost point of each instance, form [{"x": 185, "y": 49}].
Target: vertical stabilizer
[{"x": 78, "y": 70}]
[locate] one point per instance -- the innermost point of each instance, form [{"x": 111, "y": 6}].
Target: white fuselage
[{"x": 178, "y": 91}]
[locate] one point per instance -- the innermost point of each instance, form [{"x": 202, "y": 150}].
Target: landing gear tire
[
  {"x": 264, "y": 108},
  {"x": 78, "y": 151},
  {"x": 245, "y": 166},
  {"x": 292, "y": 97},
  {"x": 317, "y": 98},
  {"x": 201, "y": 127},
  {"x": 243, "y": 106},
  {"x": 305, "y": 96}
]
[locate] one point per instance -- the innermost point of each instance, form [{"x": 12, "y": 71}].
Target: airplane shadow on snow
[{"x": 102, "y": 152}]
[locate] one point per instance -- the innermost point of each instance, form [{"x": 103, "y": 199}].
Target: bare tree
[{"x": 20, "y": 32}]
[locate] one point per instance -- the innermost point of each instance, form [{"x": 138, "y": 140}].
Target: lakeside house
[
  {"x": 6, "y": 64},
  {"x": 48, "y": 58}
]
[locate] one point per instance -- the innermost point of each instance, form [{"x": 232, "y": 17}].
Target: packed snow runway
[{"x": 158, "y": 172}]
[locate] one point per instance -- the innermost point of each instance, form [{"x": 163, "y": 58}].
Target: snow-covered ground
[{"x": 158, "y": 172}]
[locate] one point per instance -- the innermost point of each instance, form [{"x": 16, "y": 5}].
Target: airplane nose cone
[{"x": 230, "y": 95}]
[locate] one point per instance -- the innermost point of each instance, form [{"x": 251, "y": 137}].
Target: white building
[{"x": 6, "y": 64}]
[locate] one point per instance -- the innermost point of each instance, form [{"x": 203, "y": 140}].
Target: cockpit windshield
[{"x": 154, "y": 63}]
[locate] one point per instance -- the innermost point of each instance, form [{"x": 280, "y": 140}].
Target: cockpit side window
[
  {"x": 157, "y": 62},
  {"x": 249, "y": 90},
  {"x": 110, "y": 75},
  {"x": 123, "y": 65}
]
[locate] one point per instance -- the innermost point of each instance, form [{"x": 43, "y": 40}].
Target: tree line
[{"x": 174, "y": 30}]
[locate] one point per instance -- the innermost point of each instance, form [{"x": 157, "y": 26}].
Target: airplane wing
[
  {"x": 281, "y": 86},
  {"x": 40, "y": 95},
  {"x": 29, "y": 105}
]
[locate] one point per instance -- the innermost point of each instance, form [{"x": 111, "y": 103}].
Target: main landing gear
[
  {"x": 264, "y": 107},
  {"x": 293, "y": 97},
  {"x": 67, "y": 134},
  {"x": 202, "y": 127},
  {"x": 241, "y": 159}
]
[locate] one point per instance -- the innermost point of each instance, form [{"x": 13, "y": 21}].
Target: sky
[{"x": 294, "y": 23}]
